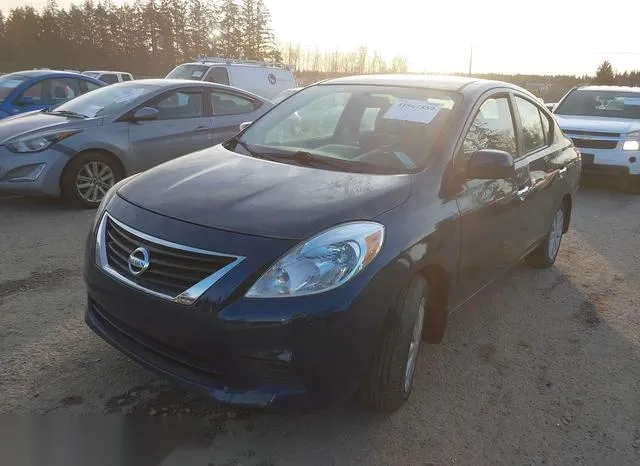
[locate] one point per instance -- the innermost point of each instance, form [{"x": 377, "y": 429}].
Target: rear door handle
[
  {"x": 201, "y": 129},
  {"x": 523, "y": 193},
  {"x": 562, "y": 172}
]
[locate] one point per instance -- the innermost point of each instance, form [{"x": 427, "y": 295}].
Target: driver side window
[{"x": 492, "y": 128}]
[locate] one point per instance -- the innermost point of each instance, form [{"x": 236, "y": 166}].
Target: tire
[
  {"x": 97, "y": 170},
  {"x": 390, "y": 381},
  {"x": 544, "y": 256}
]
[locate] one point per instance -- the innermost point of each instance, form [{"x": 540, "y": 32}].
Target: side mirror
[
  {"x": 490, "y": 164},
  {"x": 245, "y": 125},
  {"x": 24, "y": 100},
  {"x": 145, "y": 114}
]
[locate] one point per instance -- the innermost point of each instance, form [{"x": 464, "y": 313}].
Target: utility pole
[{"x": 470, "y": 59}]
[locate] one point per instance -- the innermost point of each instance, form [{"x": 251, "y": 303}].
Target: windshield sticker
[
  {"x": 418, "y": 111},
  {"x": 635, "y": 101},
  {"x": 12, "y": 83},
  {"x": 197, "y": 74}
]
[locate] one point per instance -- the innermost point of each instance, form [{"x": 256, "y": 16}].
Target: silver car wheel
[
  {"x": 414, "y": 347},
  {"x": 555, "y": 235},
  {"x": 94, "y": 180}
]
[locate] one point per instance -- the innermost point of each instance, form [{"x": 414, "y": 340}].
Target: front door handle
[
  {"x": 562, "y": 172},
  {"x": 201, "y": 129},
  {"x": 523, "y": 193}
]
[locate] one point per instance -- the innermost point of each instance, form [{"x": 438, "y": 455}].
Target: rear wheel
[
  {"x": 88, "y": 177},
  {"x": 391, "y": 379},
  {"x": 544, "y": 256}
]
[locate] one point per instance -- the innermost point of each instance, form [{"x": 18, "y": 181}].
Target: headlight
[
  {"x": 632, "y": 142},
  {"x": 39, "y": 142},
  {"x": 322, "y": 263}
]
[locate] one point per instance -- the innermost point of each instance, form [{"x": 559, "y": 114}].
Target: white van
[{"x": 262, "y": 78}]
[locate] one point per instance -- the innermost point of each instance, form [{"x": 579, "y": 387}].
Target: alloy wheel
[{"x": 93, "y": 181}]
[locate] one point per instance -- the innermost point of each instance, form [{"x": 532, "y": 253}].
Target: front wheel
[
  {"x": 391, "y": 378},
  {"x": 544, "y": 256},
  {"x": 88, "y": 177}
]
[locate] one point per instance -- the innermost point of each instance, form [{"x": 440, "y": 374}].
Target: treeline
[{"x": 145, "y": 37}]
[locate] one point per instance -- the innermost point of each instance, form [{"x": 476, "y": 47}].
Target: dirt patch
[{"x": 36, "y": 280}]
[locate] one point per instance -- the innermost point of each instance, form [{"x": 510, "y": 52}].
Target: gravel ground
[{"x": 542, "y": 368}]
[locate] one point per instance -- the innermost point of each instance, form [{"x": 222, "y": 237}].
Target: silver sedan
[{"x": 81, "y": 148}]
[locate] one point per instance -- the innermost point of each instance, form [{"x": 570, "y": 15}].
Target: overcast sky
[{"x": 543, "y": 36}]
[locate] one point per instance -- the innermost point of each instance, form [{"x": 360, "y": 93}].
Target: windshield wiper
[
  {"x": 305, "y": 158},
  {"x": 68, "y": 113}
]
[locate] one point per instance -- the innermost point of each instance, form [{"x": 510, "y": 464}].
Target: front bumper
[
  {"x": 282, "y": 354},
  {"x": 36, "y": 174},
  {"x": 615, "y": 162}
]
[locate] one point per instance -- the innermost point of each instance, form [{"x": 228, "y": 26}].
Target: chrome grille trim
[{"x": 188, "y": 296}]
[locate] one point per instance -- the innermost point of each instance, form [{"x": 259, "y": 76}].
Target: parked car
[
  {"x": 25, "y": 91},
  {"x": 110, "y": 77},
  {"x": 262, "y": 78},
  {"x": 293, "y": 271},
  {"x": 604, "y": 124},
  {"x": 81, "y": 148}
]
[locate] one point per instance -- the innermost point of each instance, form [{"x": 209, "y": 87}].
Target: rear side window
[
  {"x": 492, "y": 128},
  {"x": 126, "y": 77},
  {"x": 534, "y": 136},
  {"x": 218, "y": 74}
]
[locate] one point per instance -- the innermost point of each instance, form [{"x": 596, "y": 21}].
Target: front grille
[
  {"x": 592, "y": 133},
  {"x": 171, "y": 270},
  {"x": 594, "y": 143}
]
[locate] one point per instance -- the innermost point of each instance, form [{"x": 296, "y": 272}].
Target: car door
[
  {"x": 182, "y": 126},
  {"x": 490, "y": 210},
  {"x": 229, "y": 111},
  {"x": 543, "y": 157}
]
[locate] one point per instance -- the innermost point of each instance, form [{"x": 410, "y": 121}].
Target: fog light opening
[{"x": 26, "y": 173}]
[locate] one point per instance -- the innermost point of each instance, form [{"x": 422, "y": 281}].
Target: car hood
[
  {"x": 40, "y": 122},
  {"x": 597, "y": 124},
  {"x": 221, "y": 189}
]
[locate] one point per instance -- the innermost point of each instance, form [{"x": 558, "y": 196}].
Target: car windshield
[
  {"x": 8, "y": 83},
  {"x": 105, "y": 100},
  {"x": 612, "y": 104},
  {"x": 360, "y": 128},
  {"x": 91, "y": 74},
  {"x": 195, "y": 72}
]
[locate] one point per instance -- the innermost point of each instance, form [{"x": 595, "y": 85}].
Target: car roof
[
  {"x": 431, "y": 81},
  {"x": 105, "y": 71},
  {"x": 610, "y": 88},
  {"x": 40, "y": 73},
  {"x": 174, "y": 83}
]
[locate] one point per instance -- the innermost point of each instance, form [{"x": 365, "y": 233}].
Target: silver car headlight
[
  {"x": 324, "y": 262},
  {"x": 39, "y": 142},
  {"x": 632, "y": 141}
]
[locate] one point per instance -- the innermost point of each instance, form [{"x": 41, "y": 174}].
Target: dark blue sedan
[
  {"x": 295, "y": 268},
  {"x": 25, "y": 91}
]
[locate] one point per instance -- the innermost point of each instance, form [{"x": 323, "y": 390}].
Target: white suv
[{"x": 604, "y": 124}]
